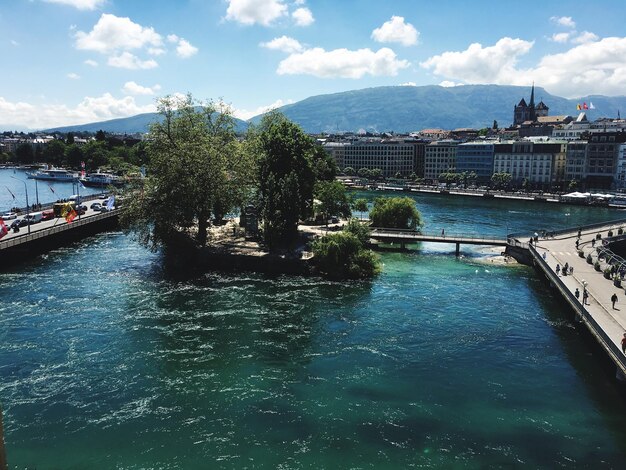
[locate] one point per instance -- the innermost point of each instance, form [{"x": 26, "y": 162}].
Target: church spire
[{"x": 532, "y": 96}]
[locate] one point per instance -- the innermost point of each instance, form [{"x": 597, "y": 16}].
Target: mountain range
[{"x": 401, "y": 109}]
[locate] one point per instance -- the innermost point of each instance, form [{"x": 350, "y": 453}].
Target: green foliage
[
  {"x": 349, "y": 171},
  {"x": 364, "y": 173},
  {"x": 24, "y": 153},
  {"x": 54, "y": 152},
  {"x": 581, "y": 253},
  {"x": 573, "y": 184},
  {"x": 285, "y": 177},
  {"x": 342, "y": 256},
  {"x": 596, "y": 265},
  {"x": 197, "y": 171},
  {"x": 501, "y": 180},
  {"x": 333, "y": 199},
  {"x": 395, "y": 212},
  {"x": 607, "y": 273},
  {"x": 324, "y": 165},
  {"x": 359, "y": 230},
  {"x": 589, "y": 259},
  {"x": 360, "y": 205}
]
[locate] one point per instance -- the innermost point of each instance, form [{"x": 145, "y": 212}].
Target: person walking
[
  {"x": 443, "y": 232},
  {"x": 613, "y": 300},
  {"x": 577, "y": 293},
  {"x": 558, "y": 269},
  {"x": 577, "y": 243},
  {"x": 585, "y": 296},
  {"x": 624, "y": 343}
]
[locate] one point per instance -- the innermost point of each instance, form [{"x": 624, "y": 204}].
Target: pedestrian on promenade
[
  {"x": 585, "y": 296},
  {"x": 544, "y": 255},
  {"x": 579, "y": 232},
  {"x": 443, "y": 232},
  {"x": 571, "y": 269},
  {"x": 558, "y": 269},
  {"x": 577, "y": 243},
  {"x": 624, "y": 343},
  {"x": 565, "y": 269},
  {"x": 613, "y": 300},
  {"x": 577, "y": 293},
  {"x": 593, "y": 242}
]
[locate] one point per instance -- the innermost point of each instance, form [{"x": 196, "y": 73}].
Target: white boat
[
  {"x": 101, "y": 180},
  {"x": 54, "y": 174}
]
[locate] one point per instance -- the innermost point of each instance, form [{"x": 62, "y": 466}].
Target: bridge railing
[
  {"x": 554, "y": 233},
  {"x": 591, "y": 323},
  {"x": 27, "y": 237},
  {"x": 438, "y": 235}
]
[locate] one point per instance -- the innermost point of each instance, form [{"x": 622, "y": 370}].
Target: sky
[{"x": 69, "y": 62}]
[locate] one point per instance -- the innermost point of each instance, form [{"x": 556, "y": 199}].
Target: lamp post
[{"x": 27, "y": 207}]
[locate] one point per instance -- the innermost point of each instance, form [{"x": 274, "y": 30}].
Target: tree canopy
[
  {"x": 333, "y": 199},
  {"x": 343, "y": 256},
  {"x": 395, "y": 212},
  {"x": 197, "y": 169}
]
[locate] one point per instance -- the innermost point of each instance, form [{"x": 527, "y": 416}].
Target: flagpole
[
  {"x": 27, "y": 208},
  {"x": 37, "y": 192}
]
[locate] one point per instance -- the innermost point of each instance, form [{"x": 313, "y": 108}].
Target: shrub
[
  {"x": 617, "y": 282},
  {"x": 589, "y": 259},
  {"x": 607, "y": 273},
  {"x": 596, "y": 266},
  {"x": 610, "y": 233},
  {"x": 581, "y": 253},
  {"x": 361, "y": 231},
  {"x": 342, "y": 256},
  {"x": 598, "y": 236}
]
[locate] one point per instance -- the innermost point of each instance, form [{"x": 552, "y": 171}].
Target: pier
[{"x": 605, "y": 323}]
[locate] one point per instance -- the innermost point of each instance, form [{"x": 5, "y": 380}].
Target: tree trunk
[{"x": 202, "y": 228}]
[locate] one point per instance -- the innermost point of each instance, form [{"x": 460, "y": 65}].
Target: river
[{"x": 443, "y": 362}]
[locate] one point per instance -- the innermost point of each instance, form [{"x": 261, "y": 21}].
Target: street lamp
[{"x": 27, "y": 208}]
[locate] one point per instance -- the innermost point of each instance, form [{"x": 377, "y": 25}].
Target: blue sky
[{"x": 76, "y": 61}]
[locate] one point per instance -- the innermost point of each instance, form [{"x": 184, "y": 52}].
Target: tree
[
  {"x": 73, "y": 155},
  {"x": 24, "y": 153},
  {"x": 333, "y": 199},
  {"x": 342, "y": 256},
  {"x": 376, "y": 173},
  {"x": 495, "y": 125},
  {"x": 100, "y": 136},
  {"x": 54, "y": 153},
  {"x": 285, "y": 177},
  {"x": 360, "y": 205},
  {"x": 501, "y": 180},
  {"x": 349, "y": 171},
  {"x": 196, "y": 170},
  {"x": 359, "y": 230},
  {"x": 364, "y": 173},
  {"x": 395, "y": 212},
  {"x": 69, "y": 140},
  {"x": 573, "y": 185},
  {"x": 324, "y": 165}
]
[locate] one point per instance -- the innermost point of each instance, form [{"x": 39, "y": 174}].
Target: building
[
  {"x": 602, "y": 156},
  {"x": 439, "y": 157},
  {"x": 476, "y": 157},
  {"x": 391, "y": 156},
  {"x": 576, "y": 161},
  {"x": 525, "y": 160},
  {"x": 620, "y": 173},
  {"x": 572, "y": 130},
  {"x": 523, "y": 112}
]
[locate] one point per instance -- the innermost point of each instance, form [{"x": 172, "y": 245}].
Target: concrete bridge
[{"x": 404, "y": 237}]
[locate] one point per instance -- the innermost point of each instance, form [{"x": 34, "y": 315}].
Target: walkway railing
[
  {"x": 591, "y": 323},
  {"x": 55, "y": 229},
  {"x": 452, "y": 236}
]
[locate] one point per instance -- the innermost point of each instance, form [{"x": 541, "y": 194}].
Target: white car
[{"x": 8, "y": 216}]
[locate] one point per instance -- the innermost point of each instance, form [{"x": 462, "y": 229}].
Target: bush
[
  {"x": 617, "y": 282},
  {"x": 596, "y": 266},
  {"x": 361, "y": 231},
  {"x": 598, "y": 236},
  {"x": 589, "y": 259},
  {"x": 610, "y": 233},
  {"x": 395, "y": 212},
  {"x": 342, "y": 256},
  {"x": 607, "y": 273},
  {"x": 581, "y": 253}
]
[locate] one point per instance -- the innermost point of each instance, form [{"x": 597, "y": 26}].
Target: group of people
[{"x": 567, "y": 269}]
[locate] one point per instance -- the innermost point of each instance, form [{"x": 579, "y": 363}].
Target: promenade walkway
[{"x": 605, "y": 322}]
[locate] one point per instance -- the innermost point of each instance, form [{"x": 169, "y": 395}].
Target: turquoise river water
[{"x": 441, "y": 362}]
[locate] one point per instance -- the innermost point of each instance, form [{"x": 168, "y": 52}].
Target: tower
[{"x": 532, "y": 116}]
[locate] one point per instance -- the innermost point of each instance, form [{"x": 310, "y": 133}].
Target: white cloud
[
  {"x": 597, "y": 67},
  {"x": 585, "y": 37},
  {"x": 73, "y": 76},
  {"x": 14, "y": 42},
  {"x": 89, "y": 110},
  {"x": 408, "y": 84},
  {"x": 80, "y": 4},
  {"x": 126, "y": 60},
  {"x": 156, "y": 51},
  {"x": 561, "y": 37},
  {"x": 449, "y": 84},
  {"x": 112, "y": 33},
  {"x": 250, "y": 12},
  {"x": 185, "y": 49},
  {"x": 132, "y": 88},
  {"x": 172, "y": 38},
  {"x": 91, "y": 63},
  {"x": 303, "y": 17},
  {"x": 566, "y": 21},
  {"x": 478, "y": 64},
  {"x": 342, "y": 63},
  {"x": 396, "y": 30},
  {"x": 245, "y": 114},
  {"x": 284, "y": 44}
]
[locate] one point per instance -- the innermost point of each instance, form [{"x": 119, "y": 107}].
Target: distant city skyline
[{"x": 76, "y": 61}]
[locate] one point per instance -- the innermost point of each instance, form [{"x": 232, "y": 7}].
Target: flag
[
  {"x": 591, "y": 106},
  {"x": 110, "y": 202},
  {"x": 10, "y": 192},
  {"x": 578, "y": 107},
  {"x": 585, "y": 106},
  {"x": 51, "y": 189},
  {"x": 3, "y": 229},
  {"x": 81, "y": 184},
  {"x": 70, "y": 216}
]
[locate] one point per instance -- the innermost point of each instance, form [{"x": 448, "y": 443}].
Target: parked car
[
  {"x": 96, "y": 206},
  {"x": 47, "y": 214},
  {"x": 19, "y": 223},
  {"x": 34, "y": 218},
  {"x": 8, "y": 216}
]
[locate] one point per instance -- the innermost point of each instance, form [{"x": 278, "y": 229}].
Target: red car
[{"x": 47, "y": 214}]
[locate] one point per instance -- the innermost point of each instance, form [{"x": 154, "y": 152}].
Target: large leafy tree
[
  {"x": 285, "y": 177},
  {"x": 196, "y": 169},
  {"x": 333, "y": 199},
  {"x": 395, "y": 212}
]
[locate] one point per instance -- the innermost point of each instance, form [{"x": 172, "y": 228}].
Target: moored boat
[
  {"x": 54, "y": 174},
  {"x": 101, "y": 180}
]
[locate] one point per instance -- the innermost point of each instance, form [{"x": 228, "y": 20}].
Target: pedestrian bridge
[{"x": 404, "y": 237}]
